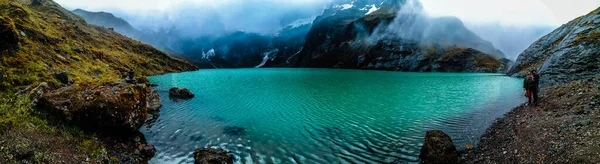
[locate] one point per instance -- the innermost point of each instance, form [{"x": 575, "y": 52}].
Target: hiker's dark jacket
[{"x": 529, "y": 84}]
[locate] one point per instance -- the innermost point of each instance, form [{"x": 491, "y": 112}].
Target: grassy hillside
[
  {"x": 42, "y": 38},
  {"x": 38, "y": 39}
]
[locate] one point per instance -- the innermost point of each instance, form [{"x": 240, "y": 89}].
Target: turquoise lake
[{"x": 324, "y": 115}]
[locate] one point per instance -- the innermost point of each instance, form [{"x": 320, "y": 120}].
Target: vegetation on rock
[{"x": 40, "y": 40}]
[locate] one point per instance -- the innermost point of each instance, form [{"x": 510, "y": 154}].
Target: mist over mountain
[
  {"x": 250, "y": 34},
  {"x": 511, "y": 39}
]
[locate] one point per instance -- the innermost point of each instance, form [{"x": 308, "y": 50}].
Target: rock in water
[
  {"x": 116, "y": 107},
  {"x": 212, "y": 156},
  {"x": 148, "y": 151},
  {"x": 63, "y": 77},
  {"x": 154, "y": 101},
  {"x": 180, "y": 93},
  {"x": 438, "y": 148}
]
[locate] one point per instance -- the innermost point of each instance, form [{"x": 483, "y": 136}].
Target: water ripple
[{"x": 323, "y": 116}]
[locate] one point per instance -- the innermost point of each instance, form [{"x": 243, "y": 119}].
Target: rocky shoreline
[{"x": 564, "y": 128}]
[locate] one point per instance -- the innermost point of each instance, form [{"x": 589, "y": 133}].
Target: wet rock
[
  {"x": 180, "y": 93},
  {"x": 438, "y": 148},
  {"x": 154, "y": 101},
  {"x": 148, "y": 151},
  {"x": 116, "y": 107},
  {"x": 62, "y": 77},
  {"x": 469, "y": 147},
  {"x": 212, "y": 156}
]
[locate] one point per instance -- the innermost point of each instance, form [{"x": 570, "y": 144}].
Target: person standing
[
  {"x": 536, "y": 89},
  {"x": 529, "y": 85}
]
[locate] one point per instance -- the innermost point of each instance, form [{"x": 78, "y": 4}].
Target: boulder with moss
[
  {"x": 212, "y": 156},
  {"x": 438, "y": 148},
  {"x": 111, "y": 107}
]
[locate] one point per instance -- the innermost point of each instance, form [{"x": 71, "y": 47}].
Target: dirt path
[{"x": 564, "y": 128}]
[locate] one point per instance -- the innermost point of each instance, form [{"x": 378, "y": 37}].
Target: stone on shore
[
  {"x": 438, "y": 148},
  {"x": 148, "y": 151},
  {"x": 182, "y": 93},
  {"x": 212, "y": 156},
  {"x": 113, "y": 107},
  {"x": 154, "y": 101}
]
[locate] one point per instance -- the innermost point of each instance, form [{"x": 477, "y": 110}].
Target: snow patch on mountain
[
  {"x": 344, "y": 6},
  {"x": 373, "y": 9}
]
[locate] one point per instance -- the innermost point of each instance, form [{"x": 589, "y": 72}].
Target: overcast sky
[
  {"x": 510, "y": 12},
  {"x": 522, "y": 12}
]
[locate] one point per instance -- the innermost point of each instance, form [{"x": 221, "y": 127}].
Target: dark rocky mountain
[
  {"x": 349, "y": 34},
  {"x": 568, "y": 53},
  {"x": 386, "y": 40}
]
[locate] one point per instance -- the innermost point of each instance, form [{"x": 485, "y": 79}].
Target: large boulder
[
  {"x": 212, "y": 156},
  {"x": 182, "y": 93},
  {"x": 114, "y": 107},
  {"x": 438, "y": 148}
]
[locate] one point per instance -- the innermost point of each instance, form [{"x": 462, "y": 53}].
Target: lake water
[{"x": 324, "y": 115}]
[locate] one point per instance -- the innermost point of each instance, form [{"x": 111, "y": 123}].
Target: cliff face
[
  {"x": 567, "y": 54},
  {"x": 40, "y": 39},
  {"x": 384, "y": 40}
]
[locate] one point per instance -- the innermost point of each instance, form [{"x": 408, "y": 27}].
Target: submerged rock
[
  {"x": 212, "y": 156},
  {"x": 234, "y": 131},
  {"x": 115, "y": 107},
  {"x": 438, "y": 148},
  {"x": 182, "y": 93}
]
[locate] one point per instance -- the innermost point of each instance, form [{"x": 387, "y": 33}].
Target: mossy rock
[
  {"x": 113, "y": 107},
  {"x": 8, "y": 34}
]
